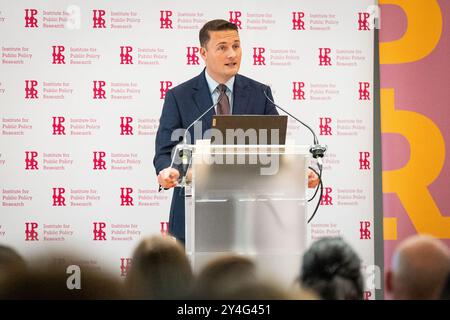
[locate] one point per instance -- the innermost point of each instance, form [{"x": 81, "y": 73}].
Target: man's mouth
[{"x": 231, "y": 64}]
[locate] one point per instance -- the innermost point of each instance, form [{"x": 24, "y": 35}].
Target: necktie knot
[{"x": 222, "y": 88}]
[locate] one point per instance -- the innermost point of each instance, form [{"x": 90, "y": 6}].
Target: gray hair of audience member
[
  {"x": 223, "y": 276},
  {"x": 420, "y": 266},
  {"x": 332, "y": 269},
  {"x": 160, "y": 269}
]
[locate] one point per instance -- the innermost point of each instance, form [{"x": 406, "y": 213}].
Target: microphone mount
[{"x": 317, "y": 150}]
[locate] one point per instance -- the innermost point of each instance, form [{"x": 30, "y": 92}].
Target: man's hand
[
  {"x": 168, "y": 178},
  {"x": 313, "y": 179}
]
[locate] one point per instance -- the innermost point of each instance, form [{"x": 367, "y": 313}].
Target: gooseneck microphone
[
  {"x": 185, "y": 154},
  {"x": 201, "y": 116},
  {"x": 317, "y": 150}
]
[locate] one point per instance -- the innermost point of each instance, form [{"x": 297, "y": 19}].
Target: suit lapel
[
  {"x": 241, "y": 96},
  {"x": 203, "y": 100}
]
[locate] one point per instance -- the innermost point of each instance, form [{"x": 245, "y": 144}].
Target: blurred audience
[
  {"x": 223, "y": 275},
  {"x": 445, "y": 295},
  {"x": 160, "y": 269},
  {"x": 10, "y": 263},
  {"x": 236, "y": 277},
  {"x": 48, "y": 281},
  {"x": 420, "y": 267},
  {"x": 332, "y": 269}
]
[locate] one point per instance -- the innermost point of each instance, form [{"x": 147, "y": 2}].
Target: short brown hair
[
  {"x": 214, "y": 25},
  {"x": 160, "y": 270}
]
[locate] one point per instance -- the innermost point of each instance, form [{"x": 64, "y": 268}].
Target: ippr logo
[
  {"x": 324, "y": 57},
  {"x": 99, "y": 92},
  {"x": 363, "y": 21},
  {"x": 164, "y": 228},
  {"x": 99, "y": 233},
  {"x": 99, "y": 163},
  {"x": 125, "y": 197},
  {"x": 30, "y": 231},
  {"x": 234, "y": 18},
  {"x": 125, "y": 265},
  {"x": 364, "y": 231},
  {"x": 99, "y": 21},
  {"x": 125, "y": 56},
  {"x": 125, "y": 127},
  {"x": 297, "y": 22},
  {"x": 165, "y": 86},
  {"x": 364, "y": 163},
  {"x": 297, "y": 90},
  {"x": 58, "y": 57},
  {"x": 364, "y": 93},
  {"x": 58, "y": 127},
  {"x": 324, "y": 126},
  {"x": 367, "y": 295},
  {"x": 327, "y": 199},
  {"x": 258, "y": 58},
  {"x": 30, "y": 160},
  {"x": 30, "y": 89},
  {"x": 58, "y": 199},
  {"x": 192, "y": 57},
  {"x": 166, "y": 22},
  {"x": 30, "y": 20}
]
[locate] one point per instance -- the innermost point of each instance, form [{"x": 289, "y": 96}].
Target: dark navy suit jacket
[{"x": 185, "y": 103}]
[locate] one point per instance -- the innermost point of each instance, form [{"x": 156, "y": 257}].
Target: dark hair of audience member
[
  {"x": 446, "y": 291},
  {"x": 332, "y": 269},
  {"x": 159, "y": 270}
]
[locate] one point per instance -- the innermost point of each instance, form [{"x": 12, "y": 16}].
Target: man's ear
[{"x": 203, "y": 53}]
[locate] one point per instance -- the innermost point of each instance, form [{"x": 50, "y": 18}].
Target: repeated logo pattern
[{"x": 82, "y": 124}]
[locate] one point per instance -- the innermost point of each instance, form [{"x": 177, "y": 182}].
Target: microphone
[
  {"x": 317, "y": 150},
  {"x": 201, "y": 116},
  {"x": 184, "y": 153}
]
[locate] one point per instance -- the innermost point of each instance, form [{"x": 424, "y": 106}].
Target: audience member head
[
  {"x": 236, "y": 277},
  {"x": 46, "y": 280},
  {"x": 445, "y": 294},
  {"x": 332, "y": 269},
  {"x": 160, "y": 269},
  {"x": 420, "y": 267},
  {"x": 10, "y": 263},
  {"x": 258, "y": 289},
  {"x": 224, "y": 275}
]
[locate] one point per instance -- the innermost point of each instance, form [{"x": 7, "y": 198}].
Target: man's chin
[{"x": 232, "y": 72}]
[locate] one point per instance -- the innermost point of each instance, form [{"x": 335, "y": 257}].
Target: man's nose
[{"x": 231, "y": 53}]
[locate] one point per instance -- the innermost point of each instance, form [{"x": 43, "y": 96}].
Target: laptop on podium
[{"x": 249, "y": 129}]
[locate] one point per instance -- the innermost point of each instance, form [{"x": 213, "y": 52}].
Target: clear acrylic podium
[{"x": 249, "y": 200}]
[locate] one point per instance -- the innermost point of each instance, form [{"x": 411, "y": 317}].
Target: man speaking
[{"x": 219, "y": 85}]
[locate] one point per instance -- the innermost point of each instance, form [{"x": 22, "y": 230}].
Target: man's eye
[{"x": 221, "y": 48}]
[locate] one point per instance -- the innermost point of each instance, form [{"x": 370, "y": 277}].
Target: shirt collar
[{"x": 212, "y": 84}]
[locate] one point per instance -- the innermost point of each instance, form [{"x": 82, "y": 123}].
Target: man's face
[{"x": 222, "y": 54}]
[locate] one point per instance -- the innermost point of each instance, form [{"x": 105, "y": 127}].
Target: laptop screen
[{"x": 248, "y": 129}]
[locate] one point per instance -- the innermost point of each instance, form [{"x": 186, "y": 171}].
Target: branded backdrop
[
  {"x": 82, "y": 85},
  {"x": 414, "y": 58}
]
